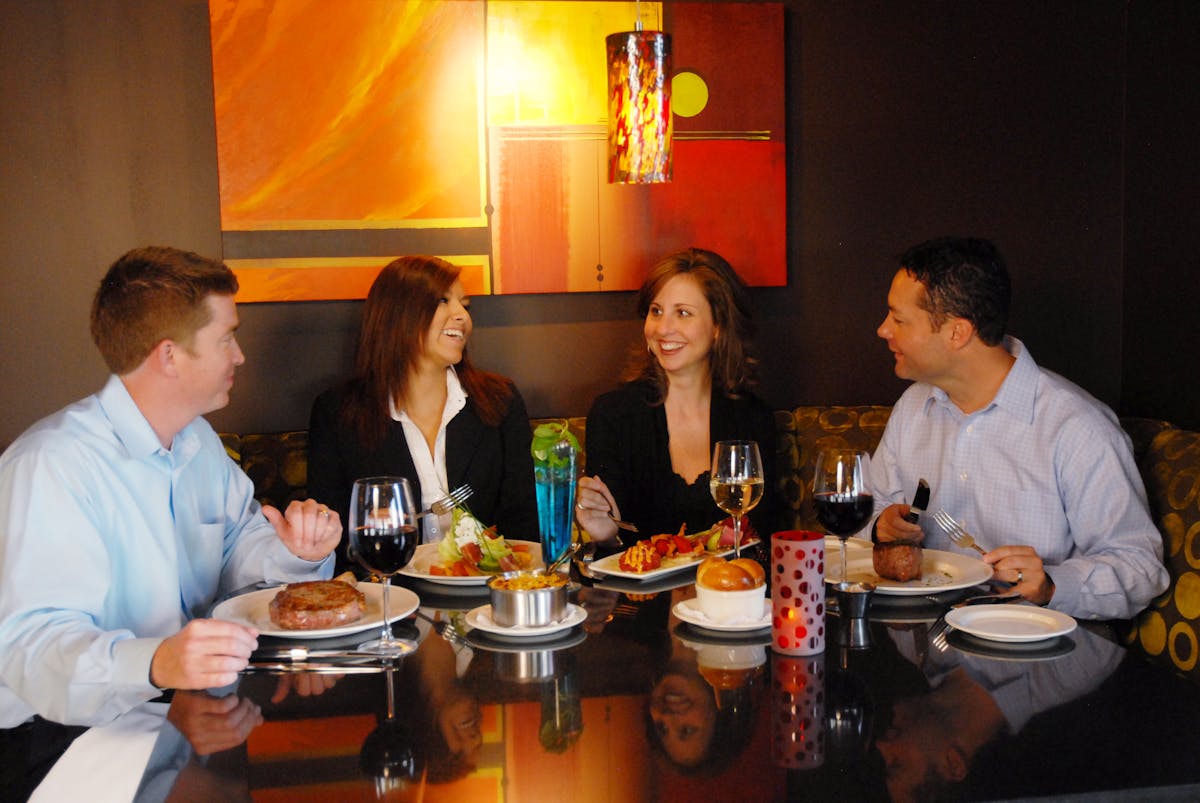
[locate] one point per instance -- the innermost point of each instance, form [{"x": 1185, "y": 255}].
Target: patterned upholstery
[
  {"x": 1168, "y": 458},
  {"x": 805, "y": 431},
  {"x": 1167, "y": 631}
]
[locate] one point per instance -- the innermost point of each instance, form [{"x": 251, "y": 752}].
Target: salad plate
[
  {"x": 610, "y": 566},
  {"x": 427, "y": 555},
  {"x": 481, "y": 619},
  {"x": 1013, "y": 624},
  {"x": 940, "y": 571},
  {"x": 252, "y": 609}
]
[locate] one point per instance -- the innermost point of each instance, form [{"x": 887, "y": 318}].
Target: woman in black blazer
[{"x": 416, "y": 407}]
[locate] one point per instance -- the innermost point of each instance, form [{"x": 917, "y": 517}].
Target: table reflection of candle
[{"x": 798, "y": 708}]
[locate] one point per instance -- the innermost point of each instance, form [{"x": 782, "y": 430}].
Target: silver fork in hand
[
  {"x": 624, "y": 525},
  {"x": 955, "y": 531},
  {"x": 441, "y": 507}
]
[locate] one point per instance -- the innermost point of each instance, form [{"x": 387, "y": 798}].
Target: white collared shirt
[{"x": 431, "y": 468}]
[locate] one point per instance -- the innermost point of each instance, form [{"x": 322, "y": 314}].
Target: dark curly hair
[{"x": 964, "y": 277}]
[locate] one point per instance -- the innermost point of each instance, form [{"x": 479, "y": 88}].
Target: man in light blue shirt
[
  {"x": 1036, "y": 469},
  {"x": 122, "y": 518}
]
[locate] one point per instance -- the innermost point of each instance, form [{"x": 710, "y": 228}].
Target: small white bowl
[{"x": 727, "y": 607}]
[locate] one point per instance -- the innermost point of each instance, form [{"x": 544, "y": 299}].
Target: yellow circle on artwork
[
  {"x": 1187, "y": 595},
  {"x": 1153, "y": 633},
  {"x": 1183, "y": 631},
  {"x": 689, "y": 94}
]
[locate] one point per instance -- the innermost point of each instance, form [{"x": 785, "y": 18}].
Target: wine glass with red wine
[
  {"x": 383, "y": 538},
  {"x": 843, "y": 500}
]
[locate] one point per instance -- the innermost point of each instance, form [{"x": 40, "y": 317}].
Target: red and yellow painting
[{"x": 352, "y": 133}]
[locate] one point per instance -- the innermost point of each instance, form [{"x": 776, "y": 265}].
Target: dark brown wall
[
  {"x": 1161, "y": 358},
  {"x": 907, "y": 120}
]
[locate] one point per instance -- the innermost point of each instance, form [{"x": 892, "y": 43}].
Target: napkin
[{"x": 105, "y": 763}]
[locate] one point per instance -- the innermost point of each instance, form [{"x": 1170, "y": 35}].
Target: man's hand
[
  {"x": 308, "y": 529},
  {"x": 1022, "y": 566},
  {"x": 891, "y": 526},
  {"x": 206, "y": 654}
]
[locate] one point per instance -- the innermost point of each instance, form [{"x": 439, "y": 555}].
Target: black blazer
[{"x": 495, "y": 461}]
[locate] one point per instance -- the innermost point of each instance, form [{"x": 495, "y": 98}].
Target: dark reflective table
[{"x": 636, "y": 705}]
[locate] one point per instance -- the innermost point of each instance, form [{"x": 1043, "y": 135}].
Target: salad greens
[{"x": 466, "y": 529}]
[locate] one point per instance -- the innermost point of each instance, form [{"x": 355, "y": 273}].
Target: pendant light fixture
[{"x": 639, "y": 106}]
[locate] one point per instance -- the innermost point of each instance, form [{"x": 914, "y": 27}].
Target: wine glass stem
[
  {"x": 385, "y": 637},
  {"x": 737, "y": 536},
  {"x": 842, "y": 539}
]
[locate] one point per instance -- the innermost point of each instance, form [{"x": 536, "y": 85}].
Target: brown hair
[
  {"x": 395, "y": 321},
  {"x": 154, "y": 294},
  {"x": 732, "y": 360}
]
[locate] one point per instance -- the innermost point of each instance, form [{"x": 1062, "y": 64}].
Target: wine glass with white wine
[{"x": 736, "y": 482}]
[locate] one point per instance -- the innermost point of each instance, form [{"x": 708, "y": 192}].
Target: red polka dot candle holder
[{"x": 798, "y": 592}]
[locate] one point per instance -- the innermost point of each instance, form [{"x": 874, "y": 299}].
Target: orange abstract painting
[{"x": 352, "y": 133}]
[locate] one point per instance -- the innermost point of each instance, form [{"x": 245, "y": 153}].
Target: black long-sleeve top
[{"x": 628, "y": 448}]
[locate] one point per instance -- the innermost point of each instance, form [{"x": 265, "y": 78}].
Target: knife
[
  {"x": 337, "y": 669},
  {"x": 919, "y": 503}
]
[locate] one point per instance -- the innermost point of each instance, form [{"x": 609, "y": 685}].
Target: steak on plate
[
  {"x": 897, "y": 560},
  {"x": 317, "y": 605}
]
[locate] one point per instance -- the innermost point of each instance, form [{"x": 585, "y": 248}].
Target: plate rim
[
  {"x": 694, "y": 621},
  {"x": 955, "y": 617},
  {"x": 409, "y": 569},
  {"x": 653, "y": 574},
  {"x": 576, "y": 615},
  {"x": 905, "y": 590},
  {"x": 398, "y": 611}
]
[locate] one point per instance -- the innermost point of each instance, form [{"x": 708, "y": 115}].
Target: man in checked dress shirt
[{"x": 1035, "y": 468}]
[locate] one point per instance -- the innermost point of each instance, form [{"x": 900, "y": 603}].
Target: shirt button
[
  {"x": 970, "y": 429},
  {"x": 963, "y": 476}
]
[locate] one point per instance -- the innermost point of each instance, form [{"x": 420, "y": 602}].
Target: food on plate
[
  {"x": 897, "y": 560},
  {"x": 469, "y": 549},
  {"x": 528, "y": 582},
  {"x": 317, "y": 605},
  {"x": 641, "y": 557},
  {"x": 730, "y": 575},
  {"x": 720, "y": 535}
]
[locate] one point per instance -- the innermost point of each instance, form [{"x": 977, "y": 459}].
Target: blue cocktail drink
[{"x": 554, "y": 473}]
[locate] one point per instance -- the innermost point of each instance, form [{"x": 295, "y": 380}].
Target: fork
[
  {"x": 442, "y": 506},
  {"x": 955, "y": 531},
  {"x": 624, "y": 525}
]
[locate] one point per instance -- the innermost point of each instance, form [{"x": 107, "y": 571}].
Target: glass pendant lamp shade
[{"x": 639, "y": 107}]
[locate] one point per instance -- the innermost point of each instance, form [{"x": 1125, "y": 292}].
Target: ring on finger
[
  {"x": 323, "y": 511},
  {"x": 1020, "y": 576}
]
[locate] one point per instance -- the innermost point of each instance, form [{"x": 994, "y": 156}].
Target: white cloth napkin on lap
[{"x": 105, "y": 763}]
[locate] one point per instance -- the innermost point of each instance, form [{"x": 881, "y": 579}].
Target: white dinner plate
[
  {"x": 252, "y": 609},
  {"x": 427, "y": 555},
  {"x": 611, "y": 564},
  {"x": 1011, "y": 623},
  {"x": 689, "y": 611},
  {"x": 940, "y": 571},
  {"x": 481, "y": 619}
]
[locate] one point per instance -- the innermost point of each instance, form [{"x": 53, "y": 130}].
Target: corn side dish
[{"x": 528, "y": 582}]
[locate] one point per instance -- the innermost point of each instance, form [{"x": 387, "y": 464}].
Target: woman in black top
[
  {"x": 649, "y": 443},
  {"x": 416, "y": 407}
]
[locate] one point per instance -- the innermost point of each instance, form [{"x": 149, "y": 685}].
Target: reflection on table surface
[{"x": 635, "y": 705}]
